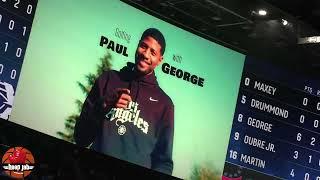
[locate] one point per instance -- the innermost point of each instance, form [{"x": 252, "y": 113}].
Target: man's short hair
[{"x": 157, "y": 35}]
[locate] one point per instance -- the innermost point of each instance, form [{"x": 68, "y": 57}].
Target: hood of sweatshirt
[
  {"x": 129, "y": 73},
  {"x": 137, "y": 81}
]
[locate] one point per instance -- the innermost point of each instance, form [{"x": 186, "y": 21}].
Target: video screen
[{"x": 107, "y": 76}]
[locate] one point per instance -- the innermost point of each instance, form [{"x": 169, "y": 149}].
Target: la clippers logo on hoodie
[{"x": 128, "y": 115}]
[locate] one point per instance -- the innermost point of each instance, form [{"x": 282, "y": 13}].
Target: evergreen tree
[
  {"x": 70, "y": 121},
  {"x": 204, "y": 172}
]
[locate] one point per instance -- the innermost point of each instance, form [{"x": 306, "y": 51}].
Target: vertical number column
[
  {"x": 15, "y": 25},
  {"x": 306, "y": 162}
]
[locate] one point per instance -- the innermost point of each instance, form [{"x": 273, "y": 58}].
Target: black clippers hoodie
[{"x": 142, "y": 133}]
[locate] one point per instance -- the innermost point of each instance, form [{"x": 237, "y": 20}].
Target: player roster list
[
  {"x": 16, "y": 17},
  {"x": 275, "y": 132}
]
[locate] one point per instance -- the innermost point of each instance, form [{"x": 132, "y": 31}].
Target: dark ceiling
[
  {"x": 235, "y": 24},
  {"x": 308, "y": 11}
]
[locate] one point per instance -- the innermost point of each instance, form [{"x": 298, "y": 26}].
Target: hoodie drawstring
[{"x": 135, "y": 100}]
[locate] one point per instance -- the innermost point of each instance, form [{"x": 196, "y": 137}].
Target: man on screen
[{"x": 127, "y": 115}]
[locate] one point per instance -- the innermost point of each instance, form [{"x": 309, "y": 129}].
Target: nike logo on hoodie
[{"x": 154, "y": 100}]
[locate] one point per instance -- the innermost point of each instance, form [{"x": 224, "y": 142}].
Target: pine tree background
[
  {"x": 70, "y": 121},
  {"x": 204, "y": 172}
]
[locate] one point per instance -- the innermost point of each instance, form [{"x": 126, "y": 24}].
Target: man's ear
[{"x": 161, "y": 59}]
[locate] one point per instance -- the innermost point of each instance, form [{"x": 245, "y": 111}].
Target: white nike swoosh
[{"x": 154, "y": 100}]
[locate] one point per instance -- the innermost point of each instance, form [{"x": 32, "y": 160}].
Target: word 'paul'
[{"x": 113, "y": 46}]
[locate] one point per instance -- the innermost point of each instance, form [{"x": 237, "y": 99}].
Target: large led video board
[{"x": 126, "y": 84}]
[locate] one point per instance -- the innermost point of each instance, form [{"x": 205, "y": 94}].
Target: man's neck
[{"x": 139, "y": 74}]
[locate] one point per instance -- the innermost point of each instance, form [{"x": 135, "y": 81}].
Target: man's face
[{"x": 148, "y": 55}]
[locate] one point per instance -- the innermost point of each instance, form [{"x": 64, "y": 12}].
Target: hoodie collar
[{"x": 128, "y": 72}]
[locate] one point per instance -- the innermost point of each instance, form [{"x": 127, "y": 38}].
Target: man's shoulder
[{"x": 109, "y": 74}]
